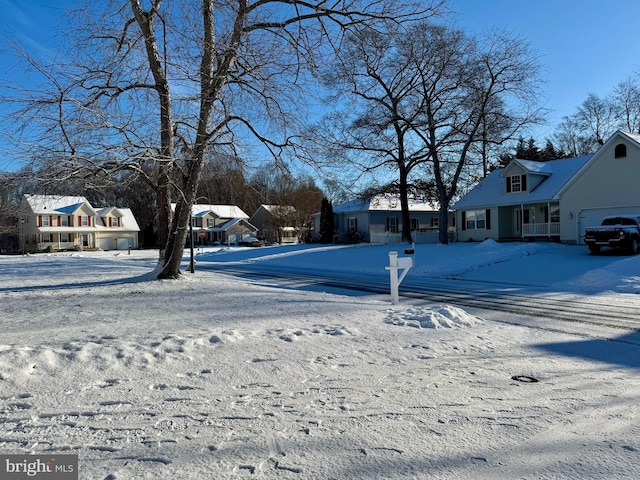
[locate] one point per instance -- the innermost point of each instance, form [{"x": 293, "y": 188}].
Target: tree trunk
[
  {"x": 443, "y": 221},
  {"x": 404, "y": 204}
]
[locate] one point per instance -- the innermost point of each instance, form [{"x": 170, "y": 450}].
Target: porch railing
[
  {"x": 57, "y": 245},
  {"x": 540, "y": 229}
]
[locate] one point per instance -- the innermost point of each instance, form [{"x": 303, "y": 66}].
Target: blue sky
[{"x": 585, "y": 46}]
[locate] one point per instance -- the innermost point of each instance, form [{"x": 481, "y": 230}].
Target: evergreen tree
[{"x": 327, "y": 224}]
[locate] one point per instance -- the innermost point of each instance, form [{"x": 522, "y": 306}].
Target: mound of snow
[
  {"x": 489, "y": 243},
  {"x": 437, "y": 316}
]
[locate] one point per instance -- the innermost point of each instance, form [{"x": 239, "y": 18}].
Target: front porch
[
  {"x": 60, "y": 241},
  {"x": 550, "y": 229},
  {"x": 541, "y": 220}
]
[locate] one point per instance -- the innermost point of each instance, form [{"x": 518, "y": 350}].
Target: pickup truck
[{"x": 618, "y": 231}]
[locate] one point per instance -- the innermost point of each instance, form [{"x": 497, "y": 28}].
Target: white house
[
  {"x": 56, "y": 222},
  {"x": 213, "y": 224},
  {"x": 557, "y": 199}
]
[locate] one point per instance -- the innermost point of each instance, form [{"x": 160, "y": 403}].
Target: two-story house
[
  {"x": 557, "y": 199},
  {"x": 276, "y": 223},
  {"x": 219, "y": 224},
  {"x": 57, "y": 222}
]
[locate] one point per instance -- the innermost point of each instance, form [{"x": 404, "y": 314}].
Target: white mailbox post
[{"x": 397, "y": 263}]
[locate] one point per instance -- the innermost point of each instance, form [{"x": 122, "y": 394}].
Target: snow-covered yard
[{"x": 213, "y": 377}]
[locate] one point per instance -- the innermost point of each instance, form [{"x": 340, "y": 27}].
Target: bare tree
[
  {"x": 374, "y": 76},
  {"x": 597, "y": 115},
  {"x": 164, "y": 83},
  {"x": 571, "y": 138},
  {"x": 464, "y": 82},
  {"x": 430, "y": 99},
  {"x": 627, "y": 104}
]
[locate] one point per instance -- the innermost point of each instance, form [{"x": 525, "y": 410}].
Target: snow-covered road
[{"x": 616, "y": 312}]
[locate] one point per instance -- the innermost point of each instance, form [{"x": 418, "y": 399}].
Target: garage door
[
  {"x": 592, "y": 217},
  {"x": 124, "y": 243},
  {"x": 105, "y": 243}
]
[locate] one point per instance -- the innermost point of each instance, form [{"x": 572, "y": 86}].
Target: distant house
[
  {"x": 54, "y": 222},
  {"x": 276, "y": 223},
  {"x": 219, "y": 224},
  {"x": 379, "y": 219},
  {"x": 556, "y": 199}
]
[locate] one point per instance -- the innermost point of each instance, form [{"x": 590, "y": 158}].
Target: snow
[
  {"x": 214, "y": 376},
  {"x": 491, "y": 191}
]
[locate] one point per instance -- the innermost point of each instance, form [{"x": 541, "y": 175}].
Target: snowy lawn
[{"x": 212, "y": 377}]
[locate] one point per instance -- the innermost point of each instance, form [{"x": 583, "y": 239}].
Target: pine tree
[{"x": 327, "y": 223}]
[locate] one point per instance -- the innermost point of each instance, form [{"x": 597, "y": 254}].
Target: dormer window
[
  {"x": 517, "y": 183},
  {"x": 115, "y": 222},
  {"x": 620, "y": 151}
]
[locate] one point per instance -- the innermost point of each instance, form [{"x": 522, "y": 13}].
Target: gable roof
[
  {"x": 56, "y": 203},
  {"x": 128, "y": 220},
  {"x": 530, "y": 166},
  {"x": 491, "y": 191},
  {"x": 631, "y": 137},
  {"x": 386, "y": 203},
  {"x": 230, "y": 223},
  {"x": 220, "y": 211},
  {"x": 276, "y": 209},
  {"x": 104, "y": 211}
]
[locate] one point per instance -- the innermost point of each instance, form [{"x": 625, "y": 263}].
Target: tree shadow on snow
[
  {"x": 147, "y": 277},
  {"x": 624, "y": 350}
]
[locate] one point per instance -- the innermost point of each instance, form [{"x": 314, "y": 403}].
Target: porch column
[
  {"x": 548, "y": 219},
  {"x": 521, "y": 220}
]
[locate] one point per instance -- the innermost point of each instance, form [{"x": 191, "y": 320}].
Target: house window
[
  {"x": 392, "y": 224},
  {"x": 45, "y": 221},
  {"x": 415, "y": 224},
  {"x": 516, "y": 183},
  {"x": 114, "y": 221},
  {"x": 64, "y": 221},
  {"x": 210, "y": 222},
  {"x": 620, "y": 151},
  {"x": 46, "y": 237},
  {"x": 352, "y": 224},
  {"x": 84, "y": 221},
  {"x": 435, "y": 222},
  {"x": 476, "y": 220},
  {"x": 555, "y": 214},
  {"x": 64, "y": 237}
]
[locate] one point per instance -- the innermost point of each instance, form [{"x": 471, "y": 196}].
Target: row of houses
[
  {"x": 54, "y": 223},
  {"x": 526, "y": 200},
  {"x": 556, "y": 200}
]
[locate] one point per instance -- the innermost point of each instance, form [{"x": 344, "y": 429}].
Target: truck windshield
[{"x": 619, "y": 221}]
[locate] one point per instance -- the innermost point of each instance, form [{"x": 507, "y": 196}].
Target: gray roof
[{"x": 491, "y": 191}]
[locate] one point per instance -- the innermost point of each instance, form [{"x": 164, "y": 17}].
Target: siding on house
[{"x": 606, "y": 184}]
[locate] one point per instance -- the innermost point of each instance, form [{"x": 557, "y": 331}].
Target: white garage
[{"x": 591, "y": 217}]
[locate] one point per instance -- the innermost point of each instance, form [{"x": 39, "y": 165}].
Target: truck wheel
[{"x": 594, "y": 249}]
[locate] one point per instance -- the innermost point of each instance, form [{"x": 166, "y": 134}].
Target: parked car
[
  {"x": 251, "y": 242},
  {"x": 619, "y": 231}
]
